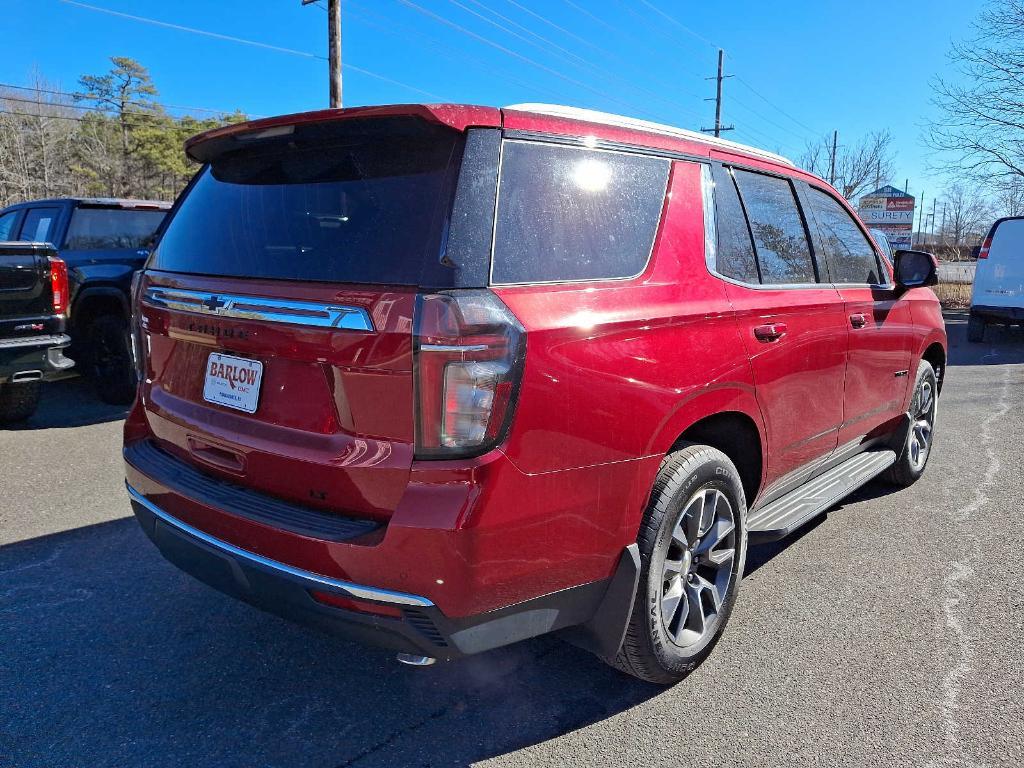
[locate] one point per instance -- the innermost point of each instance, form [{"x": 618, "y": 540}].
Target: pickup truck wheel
[
  {"x": 917, "y": 448},
  {"x": 18, "y": 401},
  {"x": 693, "y": 544},
  {"x": 975, "y": 328},
  {"x": 112, "y": 359}
]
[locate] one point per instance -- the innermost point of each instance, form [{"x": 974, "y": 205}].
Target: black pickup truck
[
  {"x": 103, "y": 242},
  {"x": 33, "y": 312}
]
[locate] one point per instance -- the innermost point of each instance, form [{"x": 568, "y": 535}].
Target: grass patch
[{"x": 953, "y": 295}]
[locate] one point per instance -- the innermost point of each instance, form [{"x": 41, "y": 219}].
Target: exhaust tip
[
  {"x": 23, "y": 376},
  {"x": 415, "y": 661}
]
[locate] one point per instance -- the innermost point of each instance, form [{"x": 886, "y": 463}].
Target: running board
[{"x": 783, "y": 516}]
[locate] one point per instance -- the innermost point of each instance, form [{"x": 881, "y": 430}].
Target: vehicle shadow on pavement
[
  {"x": 113, "y": 657},
  {"x": 70, "y": 402},
  {"x": 1002, "y": 346}
]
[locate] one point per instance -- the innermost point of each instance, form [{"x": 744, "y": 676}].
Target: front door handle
[
  {"x": 858, "y": 320},
  {"x": 770, "y": 331}
]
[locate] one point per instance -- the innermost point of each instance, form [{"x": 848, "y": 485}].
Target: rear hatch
[
  {"x": 276, "y": 313},
  {"x": 26, "y": 298}
]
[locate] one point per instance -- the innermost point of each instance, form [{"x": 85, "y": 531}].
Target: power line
[
  {"x": 194, "y": 31},
  {"x": 575, "y": 59},
  {"x": 772, "y": 104},
  {"x": 243, "y": 41},
  {"x": 76, "y": 95},
  {"x": 508, "y": 51}
]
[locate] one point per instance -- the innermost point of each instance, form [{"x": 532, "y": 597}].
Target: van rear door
[
  {"x": 277, "y": 309},
  {"x": 999, "y": 275}
]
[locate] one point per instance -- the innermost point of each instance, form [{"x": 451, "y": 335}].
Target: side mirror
[{"x": 915, "y": 269}]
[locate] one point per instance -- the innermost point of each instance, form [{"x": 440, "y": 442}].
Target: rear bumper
[
  {"x": 999, "y": 314},
  {"x": 597, "y": 611},
  {"x": 33, "y": 357}
]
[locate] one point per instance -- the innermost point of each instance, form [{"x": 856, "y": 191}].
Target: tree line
[{"x": 110, "y": 137}]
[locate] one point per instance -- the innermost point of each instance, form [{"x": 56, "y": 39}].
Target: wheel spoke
[
  {"x": 671, "y": 600},
  {"x": 692, "y": 516},
  {"x": 718, "y": 531},
  {"x": 679, "y": 534},
  {"x": 672, "y": 568},
  {"x": 719, "y": 557},
  {"x": 696, "y": 620},
  {"x": 711, "y": 589}
]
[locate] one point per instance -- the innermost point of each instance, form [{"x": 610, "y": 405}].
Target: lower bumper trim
[{"x": 312, "y": 579}]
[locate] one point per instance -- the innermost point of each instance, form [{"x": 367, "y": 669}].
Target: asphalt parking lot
[{"x": 889, "y": 633}]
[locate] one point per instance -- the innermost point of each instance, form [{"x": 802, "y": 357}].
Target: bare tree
[
  {"x": 981, "y": 128},
  {"x": 860, "y": 166},
  {"x": 37, "y": 136},
  {"x": 1009, "y": 199},
  {"x": 967, "y": 217}
]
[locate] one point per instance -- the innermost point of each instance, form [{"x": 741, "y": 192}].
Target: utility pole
[
  {"x": 934, "y": 204},
  {"x": 920, "y": 222},
  {"x": 942, "y": 229},
  {"x": 333, "y": 48},
  {"x": 832, "y": 159},
  {"x": 717, "y": 130}
]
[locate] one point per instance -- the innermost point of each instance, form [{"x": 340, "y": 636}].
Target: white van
[{"x": 998, "y": 295}]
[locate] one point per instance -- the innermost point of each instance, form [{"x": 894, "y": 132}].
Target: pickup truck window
[
  {"x": 38, "y": 226},
  {"x": 7, "y": 225},
  {"x": 109, "y": 228}
]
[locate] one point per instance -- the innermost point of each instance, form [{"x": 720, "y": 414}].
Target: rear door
[
  {"x": 792, "y": 321},
  {"x": 277, "y": 309},
  {"x": 999, "y": 276},
  {"x": 880, "y": 320}
]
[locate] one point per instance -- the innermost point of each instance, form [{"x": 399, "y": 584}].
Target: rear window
[
  {"x": 568, "y": 213},
  {"x": 363, "y": 201},
  {"x": 107, "y": 228}
]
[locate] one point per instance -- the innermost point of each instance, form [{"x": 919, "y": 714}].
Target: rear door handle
[
  {"x": 858, "y": 320},
  {"x": 770, "y": 332}
]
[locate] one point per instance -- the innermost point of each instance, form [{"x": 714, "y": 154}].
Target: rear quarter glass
[
  {"x": 360, "y": 201},
  {"x": 570, "y": 214}
]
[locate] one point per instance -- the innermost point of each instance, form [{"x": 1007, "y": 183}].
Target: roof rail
[{"x": 593, "y": 116}]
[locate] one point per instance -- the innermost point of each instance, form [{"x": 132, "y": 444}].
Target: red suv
[{"x": 442, "y": 378}]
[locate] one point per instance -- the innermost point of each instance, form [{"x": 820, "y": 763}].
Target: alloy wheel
[
  {"x": 923, "y": 415},
  {"x": 697, "y": 573}
]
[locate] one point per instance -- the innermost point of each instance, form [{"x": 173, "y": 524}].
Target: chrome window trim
[
  {"x": 258, "y": 308},
  {"x": 355, "y": 590}
]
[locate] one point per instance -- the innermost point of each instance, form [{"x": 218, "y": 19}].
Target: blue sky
[{"x": 802, "y": 69}]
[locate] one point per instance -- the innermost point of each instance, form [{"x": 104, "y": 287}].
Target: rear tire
[
  {"x": 975, "y": 328},
  {"x": 917, "y": 448},
  {"x": 693, "y": 543},
  {"x": 112, "y": 361},
  {"x": 18, "y": 401}
]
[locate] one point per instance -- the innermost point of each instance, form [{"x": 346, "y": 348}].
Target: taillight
[
  {"x": 59, "y": 285},
  {"x": 469, "y": 351},
  {"x": 985, "y": 247}
]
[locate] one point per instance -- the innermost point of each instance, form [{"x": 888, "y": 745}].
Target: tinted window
[
  {"x": 735, "y": 250},
  {"x": 851, "y": 256},
  {"x": 95, "y": 228},
  {"x": 362, "y": 201},
  {"x": 779, "y": 235},
  {"x": 575, "y": 214},
  {"x": 7, "y": 225},
  {"x": 38, "y": 225}
]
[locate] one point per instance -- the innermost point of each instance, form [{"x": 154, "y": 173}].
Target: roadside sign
[{"x": 892, "y": 211}]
